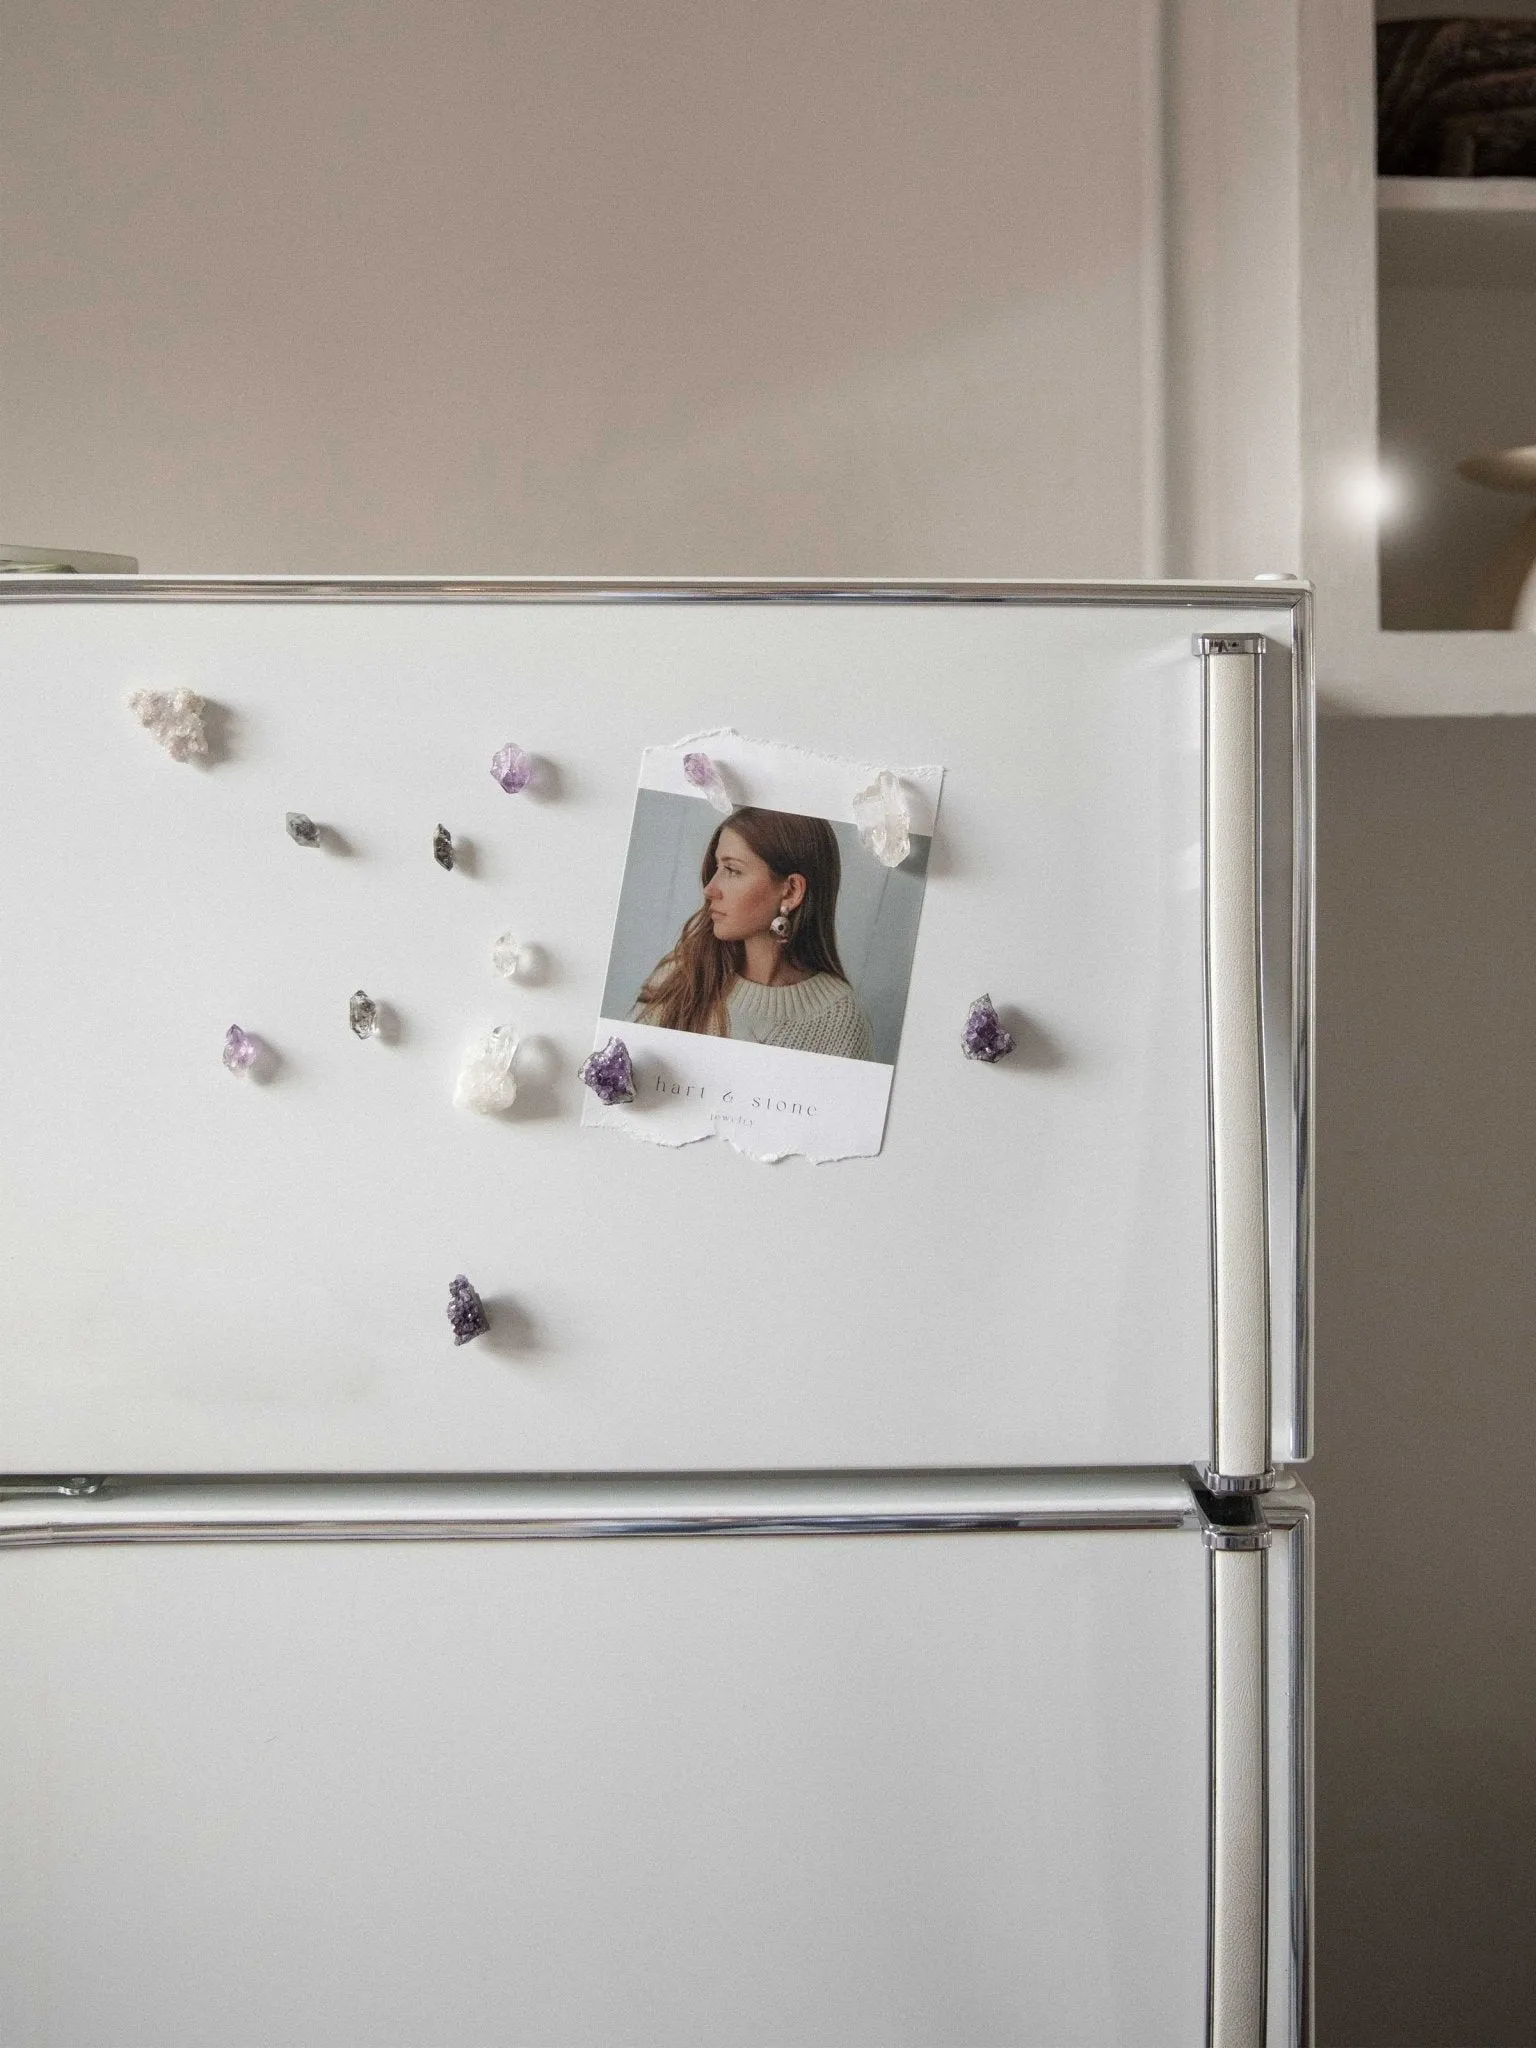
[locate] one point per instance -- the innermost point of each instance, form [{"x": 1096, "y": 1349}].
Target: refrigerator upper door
[{"x": 1090, "y": 1252}]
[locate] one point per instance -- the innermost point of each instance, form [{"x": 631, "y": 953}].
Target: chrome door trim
[
  {"x": 1290, "y": 1508},
  {"x": 434, "y": 1509},
  {"x": 1292, "y": 596},
  {"x": 1237, "y": 1966}
]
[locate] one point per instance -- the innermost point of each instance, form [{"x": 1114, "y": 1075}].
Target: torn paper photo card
[{"x": 761, "y": 953}]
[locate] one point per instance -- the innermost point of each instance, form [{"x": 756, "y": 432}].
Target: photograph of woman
[{"x": 758, "y": 960}]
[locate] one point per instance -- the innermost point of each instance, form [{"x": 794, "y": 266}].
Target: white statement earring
[{"x": 779, "y": 925}]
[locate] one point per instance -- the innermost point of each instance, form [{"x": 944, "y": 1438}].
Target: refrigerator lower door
[{"x": 972, "y": 1762}]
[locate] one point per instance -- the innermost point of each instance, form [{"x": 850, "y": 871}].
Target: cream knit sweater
[{"x": 820, "y": 1014}]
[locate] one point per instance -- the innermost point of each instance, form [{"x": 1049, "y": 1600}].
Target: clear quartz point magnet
[
  {"x": 884, "y": 823},
  {"x": 486, "y": 1080}
]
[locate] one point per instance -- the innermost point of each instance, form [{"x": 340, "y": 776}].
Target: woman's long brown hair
[{"x": 687, "y": 990}]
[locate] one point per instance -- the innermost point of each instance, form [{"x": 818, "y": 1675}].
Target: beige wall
[
  {"x": 1427, "y": 1384},
  {"x": 444, "y": 286}
]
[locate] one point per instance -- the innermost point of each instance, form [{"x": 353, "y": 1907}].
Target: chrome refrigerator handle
[
  {"x": 1237, "y": 1536},
  {"x": 1239, "y": 1202},
  {"x": 1239, "y": 1891}
]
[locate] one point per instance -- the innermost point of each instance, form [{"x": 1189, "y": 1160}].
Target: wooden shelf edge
[{"x": 1456, "y": 195}]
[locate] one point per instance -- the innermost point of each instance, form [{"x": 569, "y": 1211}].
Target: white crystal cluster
[
  {"x": 884, "y": 823},
  {"x": 486, "y": 1081},
  {"x": 175, "y": 717}
]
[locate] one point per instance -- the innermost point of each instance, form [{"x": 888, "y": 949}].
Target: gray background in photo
[{"x": 877, "y": 909}]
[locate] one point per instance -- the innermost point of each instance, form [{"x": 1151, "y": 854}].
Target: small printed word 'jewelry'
[
  {"x": 779, "y": 925},
  {"x": 984, "y": 1037},
  {"x": 610, "y": 1074},
  {"x": 706, "y": 777},
  {"x": 442, "y": 847},
  {"x": 363, "y": 1014},
  {"x": 303, "y": 830},
  {"x": 512, "y": 768},
  {"x": 175, "y": 717},
  {"x": 486, "y": 1081},
  {"x": 507, "y": 955},
  {"x": 241, "y": 1050},
  {"x": 466, "y": 1311},
  {"x": 881, "y": 814}
]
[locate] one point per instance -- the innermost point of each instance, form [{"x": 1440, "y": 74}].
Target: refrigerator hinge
[
  {"x": 1234, "y": 1482},
  {"x": 54, "y": 1489},
  {"x": 1230, "y": 1521}
]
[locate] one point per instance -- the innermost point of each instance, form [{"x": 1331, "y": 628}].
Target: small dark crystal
[
  {"x": 442, "y": 847},
  {"x": 363, "y": 1014},
  {"x": 984, "y": 1037},
  {"x": 466, "y": 1311},
  {"x": 609, "y": 1073},
  {"x": 303, "y": 829}
]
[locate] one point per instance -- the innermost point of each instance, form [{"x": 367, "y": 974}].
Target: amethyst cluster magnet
[
  {"x": 512, "y": 768},
  {"x": 466, "y": 1311},
  {"x": 241, "y": 1050},
  {"x": 984, "y": 1037},
  {"x": 610, "y": 1074},
  {"x": 707, "y": 779}
]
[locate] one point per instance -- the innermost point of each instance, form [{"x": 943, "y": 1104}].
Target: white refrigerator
[{"x": 845, "y": 1584}]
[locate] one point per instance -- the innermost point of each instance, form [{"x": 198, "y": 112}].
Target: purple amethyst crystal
[
  {"x": 466, "y": 1311},
  {"x": 984, "y": 1037},
  {"x": 240, "y": 1049},
  {"x": 609, "y": 1073},
  {"x": 704, "y": 775},
  {"x": 512, "y": 768}
]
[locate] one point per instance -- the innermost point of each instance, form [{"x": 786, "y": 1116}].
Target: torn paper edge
[
  {"x": 751, "y": 768},
  {"x": 853, "y": 1092}
]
